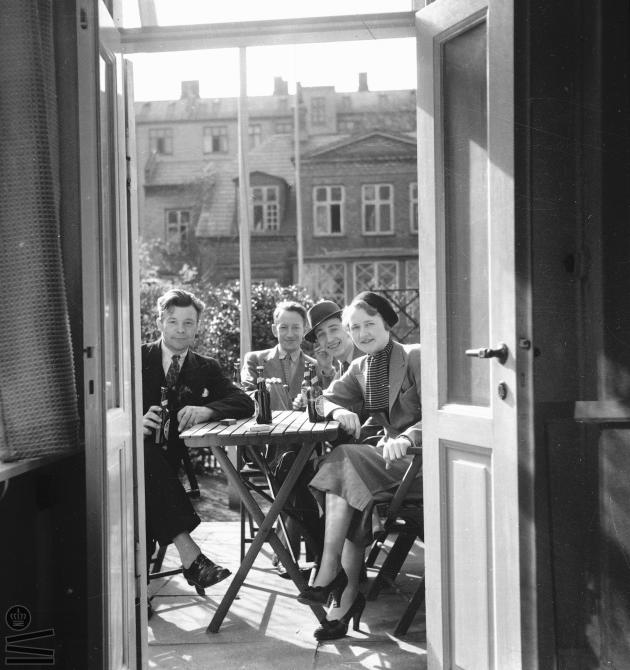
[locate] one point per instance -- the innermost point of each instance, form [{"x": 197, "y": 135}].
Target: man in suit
[
  {"x": 197, "y": 391},
  {"x": 286, "y": 361}
]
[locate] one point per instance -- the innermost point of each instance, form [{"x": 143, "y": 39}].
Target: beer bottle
[
  {"x": 313, "y": 393},
  {"x": 236, "y": 373},
  {"x": 306, "y": 382},
  {"x": 263, "y": 397},
  {"x": 160, "y": 432}
]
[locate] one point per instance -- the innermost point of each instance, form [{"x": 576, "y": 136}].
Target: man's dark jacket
[{"x": 202, "y": 383}]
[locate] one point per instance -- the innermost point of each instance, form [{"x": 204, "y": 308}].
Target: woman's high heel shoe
[
  {"x": 325, "y": 595},
  {"x": 337, "y": 628}
]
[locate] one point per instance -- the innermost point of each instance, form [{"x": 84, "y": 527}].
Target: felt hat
[
  {"x": 318, "y": 313},
  {"x": 380, "y": 304}
]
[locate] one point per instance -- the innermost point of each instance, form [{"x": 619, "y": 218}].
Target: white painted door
[
  {"x": 109, "y": 337},
  {"x": 471, "y": 406}
]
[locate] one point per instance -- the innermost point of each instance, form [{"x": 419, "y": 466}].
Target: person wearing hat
[
  {"x": 387, "y": 380},
  {"x": 334, "y": 348}
]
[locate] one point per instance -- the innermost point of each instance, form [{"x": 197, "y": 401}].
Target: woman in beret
[{"x": 387, "y": 380}]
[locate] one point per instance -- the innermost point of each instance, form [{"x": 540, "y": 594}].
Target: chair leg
[
  {"x": 190, "y": 473},
  {"x": 159, "y": 559},
  {"x": 414, "y": 605},
  {"x": 392, "y": 564}
]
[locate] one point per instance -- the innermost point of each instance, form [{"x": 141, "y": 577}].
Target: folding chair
[{"x": 403, "y": 512}]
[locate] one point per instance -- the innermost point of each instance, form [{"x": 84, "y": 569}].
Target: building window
[
  {"x": 215, "y": 140},
  {"x": 378, "y": 205},
  {"x": 284, "y": 127},
  {"x": 177, "y": 230},
  {"x": 413, "y": 207},
  {"x": 326, "y": 281},
  {"x": 161, "y": 140},
  {"x": 255, "y": 135},
  {"x": 318, "y": 111},
  {"x": 375, "y": 275},
  {"x": 266, "y": 208},
  {"x": 345, "y": 126},
  {"x": 328, "y": 205}
]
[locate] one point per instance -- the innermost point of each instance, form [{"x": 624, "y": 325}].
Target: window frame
[
  {"x": 377, "y": 203},
  {"x": 375, "y": 263},
  {"x": 222, "y": 135},
  {"x": 267, "y": 205},
  {"x": 254, "y": 135},
  {"x": 318, "y": 110},
  {"x": 162, "y": 133},
  {"x": 327, "y": 204},
  {"x": 170, "y": 245},
  {"x": 413, "y": 208}
]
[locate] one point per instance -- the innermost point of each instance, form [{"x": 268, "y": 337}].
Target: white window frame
[
  {"x": 318, "y": 110},
  {"x": 413, "y": 207},
  {"x": 377, "y": 203},
  {"x": 326, "y": 206},
  {"x": 210, "y": 133},
  {"x": 270, "y": 208},
  {"x": 376, "y": 264},
  {"x": 161, "y": 136},
  {"x": 175, "y": 245},
  {"x": 254, "y": 134}
]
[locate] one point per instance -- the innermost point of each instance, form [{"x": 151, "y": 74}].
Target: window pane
[
  {"x": 385, "y": 218},
  {"x": 369, "y": 192},
  {"x": 370, "y": 218},
  {"x": 321, "y": 220},
  {"x": 383, "y": 192},
  {"x": 335, "y": 193},
  {"x": 320, "y": 194},
  {"x": 335, "y": 218}
]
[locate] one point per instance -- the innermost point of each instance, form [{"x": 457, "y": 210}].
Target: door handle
[{"x": 500, "y": 352}]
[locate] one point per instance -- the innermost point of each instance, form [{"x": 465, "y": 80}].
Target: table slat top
[{"x": 287, "y": 426}]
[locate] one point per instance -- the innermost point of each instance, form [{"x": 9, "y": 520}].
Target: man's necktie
[
  {"x": 287, "y": 369},
  {"x": 173, "y": 372}
]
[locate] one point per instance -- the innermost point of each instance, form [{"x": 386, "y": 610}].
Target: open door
[
  {"x": 109, "y": 299},
  {"x": 473, "y": 407}
]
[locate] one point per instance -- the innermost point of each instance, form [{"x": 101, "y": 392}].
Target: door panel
[
  {"x": 109, "y": 347},
  {"x": 470, "y": 419}
]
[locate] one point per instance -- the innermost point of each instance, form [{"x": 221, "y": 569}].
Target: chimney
[
  {"x": 190, "y": 90},
  {"x": 363, "y": 85},
  {"x": 280, "y": 86}
]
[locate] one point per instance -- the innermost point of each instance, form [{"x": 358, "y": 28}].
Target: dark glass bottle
[
  {"x": 306, "y": 382},
  {"x": 236, "y": 373},
  {"x": 263, "y": 397},
  {"x": 160, "y": 433},
  {"x": 314, "y": 392}
]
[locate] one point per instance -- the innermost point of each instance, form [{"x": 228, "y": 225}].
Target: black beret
[{"x": 380, "y": 304}]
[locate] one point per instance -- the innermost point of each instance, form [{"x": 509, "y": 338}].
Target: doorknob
[{"x": 500, "y": 352}]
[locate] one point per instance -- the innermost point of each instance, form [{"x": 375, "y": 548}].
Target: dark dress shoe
[
  {"x": 203, "y": 573},
  {"x": 338, "y": 628}
]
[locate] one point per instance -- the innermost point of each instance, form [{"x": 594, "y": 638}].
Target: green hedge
[{"x": 219, "y": 330}]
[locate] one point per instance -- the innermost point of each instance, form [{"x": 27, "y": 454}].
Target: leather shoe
[{"x": 203, "y": 572}]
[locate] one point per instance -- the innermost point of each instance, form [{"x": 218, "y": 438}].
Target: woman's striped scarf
[{"x": 377, "y": 380}]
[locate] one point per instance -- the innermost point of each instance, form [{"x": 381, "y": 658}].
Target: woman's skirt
[{"x": 357, "y": 473}]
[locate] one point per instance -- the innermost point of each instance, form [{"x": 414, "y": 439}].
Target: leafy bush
[{"x": 219, "y": 328}]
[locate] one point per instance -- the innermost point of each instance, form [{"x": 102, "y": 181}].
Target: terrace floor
[{"x": 266, "y": 628}]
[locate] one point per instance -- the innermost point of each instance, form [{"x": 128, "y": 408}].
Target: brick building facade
[{"x": 358, "y": 186}]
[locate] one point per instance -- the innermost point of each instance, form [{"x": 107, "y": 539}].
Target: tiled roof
[
  {"x": 365, "y": 146},
  {"x": 174, "y": 173},
  {"x": 197, "y": 109},
  {"x": 272, "y": 157}
]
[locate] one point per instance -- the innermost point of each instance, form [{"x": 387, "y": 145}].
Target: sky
[{"x": 390, "y": 64}]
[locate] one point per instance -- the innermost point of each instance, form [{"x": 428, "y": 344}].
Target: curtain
[{"x": 38, "y": 400}]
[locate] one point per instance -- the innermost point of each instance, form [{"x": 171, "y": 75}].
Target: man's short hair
[
  {"x": 177, "y": 297},
  {"x": 289, "y": 306}
]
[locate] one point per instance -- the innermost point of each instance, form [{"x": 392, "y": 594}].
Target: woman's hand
[
  {"x": 395, "y": 449},
  {"x": 348, "y": 420},
  {"x": 152, "y": 420},
  {"x": 191, "y": 414}
]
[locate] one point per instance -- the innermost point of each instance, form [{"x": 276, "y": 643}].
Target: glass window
[
  {"x": 378, "y": 204},
  {"x": 178, "y": 230},
  {"x": 266, "y": 208},
  {"x": 255, "y": 135},
  {"x": 326, "y": 280},
  {"x": 328, "y": 207},
  {"x": 345, "y": 126},
  {"x": 413, "y": 207},
  {"x": 215, "y": 140},
  {"x": 284, "y": 127},
  {"x": 318, "y": 111},
  {"x": 161, "y": 140},
  {"x": 375, "y": 275}
]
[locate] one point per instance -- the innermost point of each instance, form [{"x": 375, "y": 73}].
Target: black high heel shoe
[
  {"x": 325, "y": 595},
  {"x": 337, "y": 628}
]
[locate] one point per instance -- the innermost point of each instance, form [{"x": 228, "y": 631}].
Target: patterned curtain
[{"x": 38, "y": 400}]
